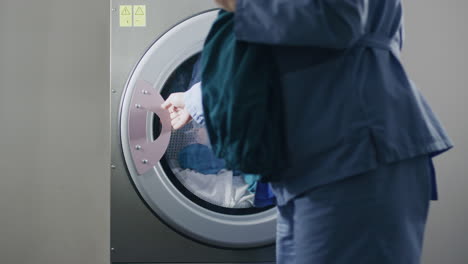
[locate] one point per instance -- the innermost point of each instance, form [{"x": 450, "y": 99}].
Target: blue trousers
[{"x": 377, "y": 217}]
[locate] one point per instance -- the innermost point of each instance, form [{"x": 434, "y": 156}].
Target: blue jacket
[{"x": 349, "y": 102}]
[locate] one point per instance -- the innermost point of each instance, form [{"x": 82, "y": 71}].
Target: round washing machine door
[{"x": 212, "y": 206}]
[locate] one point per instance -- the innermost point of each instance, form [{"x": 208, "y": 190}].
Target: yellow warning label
[
  {"x": 125, "y": 15},
  {"x": 139, "y": 15}
]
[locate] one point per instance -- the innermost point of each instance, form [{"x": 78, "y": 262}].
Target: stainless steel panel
[
  {"x": 137, "y": 234},
  {"x": 54, "y": 131}
]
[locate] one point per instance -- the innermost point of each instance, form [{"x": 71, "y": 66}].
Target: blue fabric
[
  {"x": 264, "y": 196},
  {"x": 200, "y": 158},
  {"x": 320, "y": 23},
  {"x": 434, "y": 191},
  {"x": 242, "y": 101},
  {"x": 251, "y": 180},
  {"x": 375, "y": 217},
  {"x": 349, "y": 103}
]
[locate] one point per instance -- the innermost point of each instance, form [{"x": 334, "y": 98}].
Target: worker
[{"x": 360, "y": 135}]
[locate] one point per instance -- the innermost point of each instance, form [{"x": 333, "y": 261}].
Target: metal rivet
[
  {"x": 144, "y": 92},
  {"x": 138, "y": 106},
  {"x": 137, "y": 147},
  {"x": 113, "y": 91},
  {"x": 112, "y": 249},
  {"x": 113, "y": 166},
  {"x": 144, "y": 161},
  {"x": 114, "y": 9}
]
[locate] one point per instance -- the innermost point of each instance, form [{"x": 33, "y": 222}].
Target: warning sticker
[
  {"x": 139, "y": 15},
  {"x": 125, "y": 12}
]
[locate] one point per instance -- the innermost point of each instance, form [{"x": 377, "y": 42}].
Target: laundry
[
  {"x": 264, "y": 196},
  {"x": 200, "y": 158},
  {"x": 251, "y": 180},
  {"x": 242, "y": 102},
  {"x": 222, "y": 189}
]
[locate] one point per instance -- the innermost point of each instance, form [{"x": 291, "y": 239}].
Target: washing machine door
[{"x": 210, "y": 207}]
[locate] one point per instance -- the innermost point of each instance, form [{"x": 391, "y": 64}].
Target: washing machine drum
[{"x": 175, "y": 172}]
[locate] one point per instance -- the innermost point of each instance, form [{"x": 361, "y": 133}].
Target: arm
[
  {"x": 184, "y": 107},
  {"x": 322, "y": 23}
]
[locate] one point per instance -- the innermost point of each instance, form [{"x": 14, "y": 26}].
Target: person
[{"x": 360, "y": 135}]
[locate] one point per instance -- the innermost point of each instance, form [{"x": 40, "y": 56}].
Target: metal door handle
[{"x": 145, "y": 152}]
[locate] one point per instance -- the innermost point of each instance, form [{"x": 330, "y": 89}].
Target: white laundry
[{"x": 221, "y": 189}]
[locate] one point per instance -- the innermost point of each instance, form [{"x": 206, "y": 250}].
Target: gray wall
[
  {"x": 54, "y": 131},
  {"x": 436, "y": 57},
  {"x": 54, "y": 119}
]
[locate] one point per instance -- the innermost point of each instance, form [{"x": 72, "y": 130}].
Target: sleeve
[
  {"x": 193, "y": 103},
  {"x": 322, "y": 23}
]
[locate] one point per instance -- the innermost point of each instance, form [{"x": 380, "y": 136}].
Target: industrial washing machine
[{"x": 161, "y": 212}]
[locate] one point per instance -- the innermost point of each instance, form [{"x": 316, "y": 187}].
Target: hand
[
  {"x": 228, "y": 5},
  {"x": 176, "y": 106}
]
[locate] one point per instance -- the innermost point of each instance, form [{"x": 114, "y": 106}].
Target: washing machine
[{"x": 162, "y": 212}]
